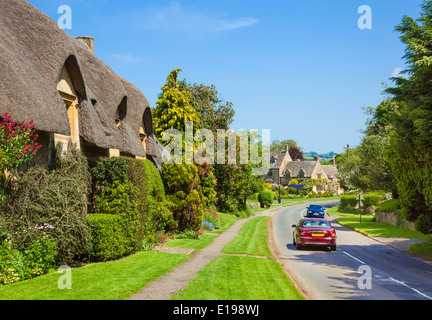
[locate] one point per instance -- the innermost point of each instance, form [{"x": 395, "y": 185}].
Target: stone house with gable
[
  {"x": 71, "y": 95},
  {"x": 283, "y": 169}
]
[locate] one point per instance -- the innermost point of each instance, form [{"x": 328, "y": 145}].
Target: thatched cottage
[
  {"x": 57, "y": 81},
  {"x": 284, "y": 168}
]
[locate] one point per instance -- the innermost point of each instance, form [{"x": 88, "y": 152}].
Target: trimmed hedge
[
  {"x": 151, "y": 208},
  {"x": 390, "y": 206},
  {"x": 370, "y": 200},
  {"x": 110, "y": 237}
]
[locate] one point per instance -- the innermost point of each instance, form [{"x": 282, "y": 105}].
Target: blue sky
[{"x": 302, "y": 69}]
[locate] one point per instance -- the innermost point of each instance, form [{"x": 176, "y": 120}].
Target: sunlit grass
[
  {"x": 116, "y": 280},
  {"x": 252, "y": 239},
  {"x": 240, "y": 278}
]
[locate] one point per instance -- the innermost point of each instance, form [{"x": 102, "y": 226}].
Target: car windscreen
[
  {"x": 314, "y": 206},
  {"x": 316, "y": 224}
]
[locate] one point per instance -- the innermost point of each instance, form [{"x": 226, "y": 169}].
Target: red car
[{"x": 314, "y": 232}]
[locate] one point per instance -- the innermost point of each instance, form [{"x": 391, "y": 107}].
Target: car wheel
[
  {"x": 333, "y": 248},
  {"x": 298, "y": 246}
]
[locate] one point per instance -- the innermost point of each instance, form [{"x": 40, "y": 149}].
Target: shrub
[
  {"x": 183, "y": 190},
  {"x": 211, "y": 216},
  {"x": 152, "y": 206},
  {"x": 392, "y": 205},
  {"x": 266, "y": 198},
  {"x": 189, "y": 234},
  {"x": 109, "y": 170},
  {"x": 424, "y": 224},
  {"x": 372, "y": 199},
  {"x": 109, "y": 234},
  {"x": 36, "y": 259},
  {"x": 160, "y": 218},
  {"x": 57, "y": 198},
  {"x": 348, "y": 202},
  {"x": 18, "y": 143}
]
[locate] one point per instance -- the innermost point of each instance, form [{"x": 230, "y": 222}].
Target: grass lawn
[
  {"x": 227, "y": 221},
  {"x": 114, "y": 280},
  {"x": 372, "y": 228},
  {"x": 240, "y": 278},
  {"x": 243, "y": 278},
  {"x": 422, "y": 249},
  {"x": 252, "y": 239}
]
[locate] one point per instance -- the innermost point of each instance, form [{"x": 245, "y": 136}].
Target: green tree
[
  {"x": 410, "y": 152},
  {"x": 280, "y": 146},
  {"x": 173, "y": 108}
]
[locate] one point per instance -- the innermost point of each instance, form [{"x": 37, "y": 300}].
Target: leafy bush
[
  {"x": 109, "y": 170},
  {"x": 119, "y": 200},
  {"x": 160, "y": 218},
  {"x": 266, "y": 198},
  {"x": 392, "y": 205},
  {"x": 36, "y": 259},
  {"x": 372, "y": 199},
  {"x": 212, "y": 218},
  {"x": 183, "y": 190},
  {"x": 348, "y": 201},
  {"x": 189, "y": 234},
  {"x": 154, "y": 211},
  {"x": 57, "y": 198},
  {"x": 18, "y": 143},
  {"x": 109, "y": 234},
  {"x": 424, "y": 224}
]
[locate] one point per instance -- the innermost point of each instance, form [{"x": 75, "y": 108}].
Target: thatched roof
[{"x": 32, "y": 52}]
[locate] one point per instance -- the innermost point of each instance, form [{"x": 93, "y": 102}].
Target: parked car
[
  {"x": 314, "y": 232},
  {"x": 315, "y": 211}
]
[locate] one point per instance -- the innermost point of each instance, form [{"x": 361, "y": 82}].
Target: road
[{"x": 360, "y": 269}]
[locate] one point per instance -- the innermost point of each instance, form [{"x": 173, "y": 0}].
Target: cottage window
[
  {"x": 67, "y": 92},
  {"x": 301, "y": 174},
  {"x": 121, "y": 112}
]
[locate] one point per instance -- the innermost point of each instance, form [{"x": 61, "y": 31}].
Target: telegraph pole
[{"x": 348, "y": 156}]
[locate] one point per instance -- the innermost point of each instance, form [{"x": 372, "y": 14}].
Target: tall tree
[
  {"x": 410, "y": 155},
  {"x": 173, "y": 108}
]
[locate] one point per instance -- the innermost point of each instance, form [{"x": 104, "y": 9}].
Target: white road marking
[
  {"x": 413, "y": 289},
  {"x": 301, "y": 214},
  {"x": 358, "y": 260},
  {"x": 392, "y": 279}
]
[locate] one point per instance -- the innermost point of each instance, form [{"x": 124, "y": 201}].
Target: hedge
[
  {"x": 351, "y": 201},
  {"x": 146, "y": 178},
  {"x": 392, "y": 205},
  {"x": 110, "y": 237}
]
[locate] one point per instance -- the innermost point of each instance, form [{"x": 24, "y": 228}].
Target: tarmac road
[{"x": 360, "y": 269}]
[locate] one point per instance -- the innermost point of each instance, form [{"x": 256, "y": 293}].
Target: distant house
[{"x": 283, "y": 169}]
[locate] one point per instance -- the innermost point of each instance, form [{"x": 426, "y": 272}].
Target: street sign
[{"x": 360, "y": 198}]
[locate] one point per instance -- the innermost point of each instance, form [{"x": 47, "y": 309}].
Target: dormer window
[
  {"x": 301, "y": 174},
  {"x": 120, "y": 115}
]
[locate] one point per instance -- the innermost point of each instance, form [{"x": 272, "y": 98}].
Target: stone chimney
[
  {"x": 88, "y": 41},
  {"x": 334, "y": 161},
  {"x": 287, "y": 149},
  {"x": 316, "y": 158}
]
